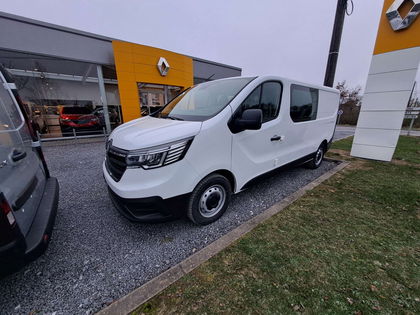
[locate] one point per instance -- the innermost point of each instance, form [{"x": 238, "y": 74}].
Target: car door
[
  {"x": 304, "y": 131},
  {"x": 255, "y": 152},
  {"x": 21, "y": 175}
]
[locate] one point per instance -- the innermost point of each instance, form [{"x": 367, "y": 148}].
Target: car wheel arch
[
  {"x": 226, "y": 173},
  {"x": 324, "y": 144}
]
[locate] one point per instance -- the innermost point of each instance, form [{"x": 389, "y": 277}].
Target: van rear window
[{"x": 303, "y": 103}]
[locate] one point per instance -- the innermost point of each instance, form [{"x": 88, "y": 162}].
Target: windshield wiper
[{"x": 173, "y": 118}]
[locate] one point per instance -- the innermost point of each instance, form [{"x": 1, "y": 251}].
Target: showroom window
[
  {"x": 62, "y": 97},
  {"x": 154, "y": 96},
  {"x": 265, "y": 97},
  {"x": 303, "y": 103}
]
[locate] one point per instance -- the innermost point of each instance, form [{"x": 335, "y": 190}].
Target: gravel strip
[{"x": 97, "y": 256}]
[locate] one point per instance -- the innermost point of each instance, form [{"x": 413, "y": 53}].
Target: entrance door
[{"x": 155, "y": 96}]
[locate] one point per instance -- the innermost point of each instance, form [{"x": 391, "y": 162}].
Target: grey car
[{"x": 28, "y": 195}]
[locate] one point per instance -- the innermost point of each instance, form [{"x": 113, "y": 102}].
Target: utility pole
[{"x": 335, "y": 43}]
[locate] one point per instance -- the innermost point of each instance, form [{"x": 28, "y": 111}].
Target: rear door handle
[
  {"x": 277, "y": 138},
  {"x": 18, "y": 155}
]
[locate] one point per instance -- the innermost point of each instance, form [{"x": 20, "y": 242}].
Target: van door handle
[
  {"x": 18, "y": 155},
  {"x": 276, "y": 138}
]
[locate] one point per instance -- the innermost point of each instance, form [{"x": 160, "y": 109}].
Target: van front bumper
[{"x": 151, "y": 209}]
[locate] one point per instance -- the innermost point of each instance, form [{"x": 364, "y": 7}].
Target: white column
[
  {"x": 103, "y": 98},
  {"x": 390, "y": 81}
]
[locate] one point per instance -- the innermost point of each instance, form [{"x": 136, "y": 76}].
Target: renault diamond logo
[
  {"x": 163, "y": 66},
  {"x": 396, "y": 20}
]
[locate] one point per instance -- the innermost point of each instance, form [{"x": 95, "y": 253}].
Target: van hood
[{"x": 148, "y": 132}]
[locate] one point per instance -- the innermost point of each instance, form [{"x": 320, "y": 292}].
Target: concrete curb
[{"x": 148, "y": 290}]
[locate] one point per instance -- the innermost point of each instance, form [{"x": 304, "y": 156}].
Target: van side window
[
  {"x": 10, "y": 118},
  {"x": 253, "y": 100},
  {"x": 265, "y": 97},
  {"x": 303, "y": 103},
  {"x": 270, "y": 100}
]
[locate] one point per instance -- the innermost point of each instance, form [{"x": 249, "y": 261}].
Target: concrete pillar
[
  {"x": 103, "y": 98},
  {"x": 391, "y": 77}
]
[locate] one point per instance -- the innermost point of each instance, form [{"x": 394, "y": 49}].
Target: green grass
[
  {"x": 408, "y": 148},
  {"x": 344, "y": 144},
  {"x": 350, "y": 246}
]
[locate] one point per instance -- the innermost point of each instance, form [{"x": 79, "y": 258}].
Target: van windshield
[{"x": 204, "y": 100}]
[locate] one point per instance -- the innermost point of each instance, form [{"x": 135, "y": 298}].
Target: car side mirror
[{"x": 251, "y": 119}]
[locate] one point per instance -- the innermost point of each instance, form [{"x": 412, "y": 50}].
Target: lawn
[{"x": 350, "y": 246}]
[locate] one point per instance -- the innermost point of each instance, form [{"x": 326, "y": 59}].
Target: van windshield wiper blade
[{"x": 174, "y": 118}]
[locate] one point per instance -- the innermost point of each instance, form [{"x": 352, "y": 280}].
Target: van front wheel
[{"x": 209, "y": 200}]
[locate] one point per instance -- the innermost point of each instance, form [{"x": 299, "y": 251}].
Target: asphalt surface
[
  {"x": 347, "y": 131},
  {"x": 342, "y": 132},
  {"x": 97, "y": 256}
]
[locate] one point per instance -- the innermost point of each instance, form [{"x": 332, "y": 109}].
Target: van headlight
[{"x": 158, "y": 156}]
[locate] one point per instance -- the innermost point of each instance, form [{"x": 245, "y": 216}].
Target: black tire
[
  {"x": 209, "y": 199},
  {"x": 317, "y": 159}
]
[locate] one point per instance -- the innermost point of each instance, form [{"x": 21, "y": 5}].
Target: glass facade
[
  {"x": 62, "y": 97},
  {"x": 67, "y": 98},
  {"x": 155, "y": 96}
]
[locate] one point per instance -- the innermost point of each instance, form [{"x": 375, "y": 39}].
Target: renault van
[
  {"x": 213, "y": 139},
  {"x": 28, "y": 194}
]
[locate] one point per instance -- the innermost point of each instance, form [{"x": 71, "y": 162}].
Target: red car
[{"x": 78, "y": 118}]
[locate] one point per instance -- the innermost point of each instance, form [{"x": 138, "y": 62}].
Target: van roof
[{"x": 291, "y": 81}]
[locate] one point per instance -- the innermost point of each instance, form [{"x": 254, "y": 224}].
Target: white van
[{"x": 213, "y": 139}]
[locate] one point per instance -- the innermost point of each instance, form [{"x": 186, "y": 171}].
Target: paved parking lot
[{"x": 97, "y": 256}]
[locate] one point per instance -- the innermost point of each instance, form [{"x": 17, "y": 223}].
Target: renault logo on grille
[
  {"x": 163, "y": 66},
  {"x": 396, "y": 20}
]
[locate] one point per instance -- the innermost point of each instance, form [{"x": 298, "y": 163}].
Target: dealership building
[{"x": 77, "y": 82}]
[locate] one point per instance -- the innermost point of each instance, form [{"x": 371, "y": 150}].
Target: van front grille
[{"x": 115, "y": 162}]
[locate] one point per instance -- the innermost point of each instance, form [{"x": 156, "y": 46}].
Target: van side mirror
[{"x": 251, "y": 120}]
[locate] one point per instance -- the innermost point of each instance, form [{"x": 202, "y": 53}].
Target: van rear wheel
[
  {"x": 209, "y": 200},
  {"x": 317, "y": 159}
]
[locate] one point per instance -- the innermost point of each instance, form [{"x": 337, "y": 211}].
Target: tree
[
  {"x": 350, "y": 100},
  {"x": 350, "y": 96},
  {"x": 414, "y": 100}
]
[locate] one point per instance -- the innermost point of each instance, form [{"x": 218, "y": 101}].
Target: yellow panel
[
  {"x": 128, "y": 93},
  {"x": 126, "y": 66},
  {"x": 137, "y": 63},
  {"x": 126, "y": 76},
  {"x": 176, "y": 63},
  {"x": 123, "y": 56},
  {"x": 130, "y": 103},
  {"x": 389, "y": 40},
  {"x": 123, "y": 47}
]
